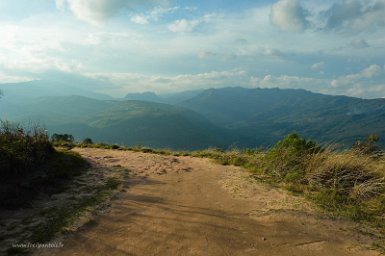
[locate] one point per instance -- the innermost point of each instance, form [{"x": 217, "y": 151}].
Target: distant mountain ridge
[
  {"x": 265, "y": 115},
  {"x": 130, "y": 123},
  {"x": 226, "y": 117},
  {"x": 170, "y": 98}
]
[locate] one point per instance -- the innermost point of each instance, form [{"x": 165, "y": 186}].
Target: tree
[
  {"x": 87, "y": 141},
  {"x": 62, "y": 138}
]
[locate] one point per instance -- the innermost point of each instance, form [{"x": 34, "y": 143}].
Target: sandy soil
[{"x": 190, "y": 206}]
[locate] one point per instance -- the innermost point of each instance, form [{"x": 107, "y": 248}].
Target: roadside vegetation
[
  {"x": 345, "y": 183},
  {"x": 42, "y": 179},
  {"x": 30, "y": 165},
  {"x": 348, "y": 183}
]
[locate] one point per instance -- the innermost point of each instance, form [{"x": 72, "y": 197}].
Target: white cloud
[
  {"x": 346, "y": 16},
  {"x": 362, "y": 84},
  {"x": 30, "y": 49},
  {"x": 360, "y": 78},
  {"x": 273, "y": 53},
  {"x": 285, "y": 81},
  {"x": 95, "y": 11},
  {"x": 155, "y": 14},
  {"x": 60, "y": 4},
  {"x": 134, "y": 82},
  {"x": 289, "y": 15},
  {"x": 98, "y": 11},
  {"x": 4, "y": 78},
  {"x": 139, "y": 19},
  {"x": 353, "y": 15},
  {"x": 351, "y": 84},
  {"x": 318, "y": 66},
  {"x": 371, "y": 71},
  {"x": 183, "y": 26}
]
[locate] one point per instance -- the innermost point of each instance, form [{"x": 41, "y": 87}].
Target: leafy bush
[
  {"x": 288, "y": 158},
  {"x": 29, "y": 164},
  {"x": 62, "y": 137},
  {"x": 87, "y": 141},
  {"x": 22, "y": 151},
  {"x": 63, "y": 140}
]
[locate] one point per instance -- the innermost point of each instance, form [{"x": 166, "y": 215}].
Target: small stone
[{"x": 263, "y": 238}]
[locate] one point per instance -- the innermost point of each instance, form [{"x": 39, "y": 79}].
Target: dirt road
[{"x": 190, "y": 206}]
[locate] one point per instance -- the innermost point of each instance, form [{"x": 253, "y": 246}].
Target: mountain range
[{"x": 224, "y": 118}]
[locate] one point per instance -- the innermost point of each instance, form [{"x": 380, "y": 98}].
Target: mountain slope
[
  {"x": 262, "y": 116},
  {"x": 123, "y": 122},
  {"x": 170, "y": 98},
  {"x": 223, "y": 118}
]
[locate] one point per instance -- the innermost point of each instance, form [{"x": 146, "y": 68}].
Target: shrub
[
  {"x": 29, "y": 164},
  {"x": 22, "y": 151},
  {"x": 351, "y": 183},
  {"x": 87, "y": 141},
  {"x": 63, "y": 140},
  {"x": 115, "y": 146},
  {"x": 288, "y": 158}
]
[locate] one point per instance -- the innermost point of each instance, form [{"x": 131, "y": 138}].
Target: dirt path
[{"x": 189, "y": 206}]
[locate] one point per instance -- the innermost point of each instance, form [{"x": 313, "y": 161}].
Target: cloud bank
[
  {"x": 99, "y": 11},
  {"x": 289, "y": 15},
  {"x": 346, "y": 16}
]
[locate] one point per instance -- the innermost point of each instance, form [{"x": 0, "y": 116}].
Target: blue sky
[{"x": 333, "y": 47}]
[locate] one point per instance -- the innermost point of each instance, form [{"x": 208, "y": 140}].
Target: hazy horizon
[{"x": 117, "y": 46}]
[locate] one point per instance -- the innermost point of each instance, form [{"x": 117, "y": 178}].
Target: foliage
[
  {"x": 62, "y": 137},
  {"x": 246, "y": 158},
  {"x": 29, "y": 164},
  {"x": 22, "y": 151},
  {"x": 288, "y": 158},
  {"x": 343, "y": 183},
  {"x": 87, "y": 141},
  {"x": 63, "y": 140}
]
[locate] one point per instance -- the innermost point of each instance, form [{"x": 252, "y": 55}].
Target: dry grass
[{"x": 357, "y": 176}]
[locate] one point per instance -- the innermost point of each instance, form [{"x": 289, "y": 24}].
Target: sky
[{"x": 327, "y": 46}]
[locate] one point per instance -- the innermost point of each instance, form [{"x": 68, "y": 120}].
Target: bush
[
  {"x": 63, "y": 140},
  {"x": 115, "y": 146},
  {"x": 29, "y": 165},
  {"x": 344, "y": 182},
  {"x": 289, "y": 157},
  {"x": 87, "y": 141},
  {"x": 22, "y": 151}
]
